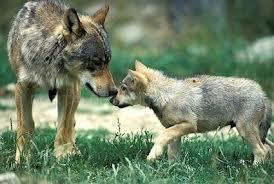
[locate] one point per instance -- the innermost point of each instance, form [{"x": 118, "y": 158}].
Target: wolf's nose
[{"x": 113, "y": 92}]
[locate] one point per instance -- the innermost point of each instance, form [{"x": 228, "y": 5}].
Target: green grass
[
  {"x": 4, "y": 107},
  {"x": 108, "y": 158},
  {"x": 179, "y": 62},
  {"x": 6, "y": 75}
]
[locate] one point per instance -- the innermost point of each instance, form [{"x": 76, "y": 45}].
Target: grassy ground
[{"x": 121, "y": 159}]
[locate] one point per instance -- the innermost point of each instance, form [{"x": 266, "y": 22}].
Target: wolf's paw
[
  {"x": 64, "y": 150},
  {"x": 155, "y": 153}
]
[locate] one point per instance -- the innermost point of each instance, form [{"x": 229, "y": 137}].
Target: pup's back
[
  {"x": 230, "y": 92},
  {"x": 229, "y": 99}
]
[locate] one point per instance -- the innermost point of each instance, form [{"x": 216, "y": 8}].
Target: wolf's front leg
[
  {"x": 169, "y": 134},
  {"x": 68, "y": 100},
  {"x": 25, "y": 125}
]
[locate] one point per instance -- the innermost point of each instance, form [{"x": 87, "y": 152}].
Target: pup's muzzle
[
  {"x": 113, "y": 101},
  {"x": 116, "y": 102}
]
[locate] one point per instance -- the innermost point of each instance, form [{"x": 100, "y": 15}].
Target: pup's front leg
[
  {"x": 173, "y": 149},
  {"x": 170, "y": 134},
  {"x": 68, "y": 100}
]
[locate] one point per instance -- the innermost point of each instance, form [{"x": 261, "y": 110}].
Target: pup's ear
[
  {"x": 72, "y": 24},
  {"x": 137, "y": 77},
  {"x": 140, "y": 67},
  {"x": 100, "y": 16}
]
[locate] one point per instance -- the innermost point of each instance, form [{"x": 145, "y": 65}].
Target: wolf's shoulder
[
  {"x": 52, "y": 3},
  {"x": 47, "y": 8}
]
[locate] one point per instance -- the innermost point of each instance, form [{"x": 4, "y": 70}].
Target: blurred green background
[{"x": 180, "y": 37}]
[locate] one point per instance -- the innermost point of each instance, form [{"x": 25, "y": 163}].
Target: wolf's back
[
  {"x": 33, "y": 21},
  {"x": 34, "y": 44}
]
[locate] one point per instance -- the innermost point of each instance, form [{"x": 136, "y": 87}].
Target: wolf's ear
[
  {"x": 137, "y": 77},
  {"x": 140, "y": 67},
  {"x": 100, "y": 16},
  {"x": 72, "y": 23}
]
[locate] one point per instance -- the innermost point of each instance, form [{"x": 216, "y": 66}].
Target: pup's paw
[
  {"x": 155, "y": 153},
  {"x": 269, "y": 150}
]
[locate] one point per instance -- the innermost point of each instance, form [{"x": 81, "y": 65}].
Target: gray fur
[
  {"x": 213, "y": 103},
  {"x": 39, "y": 54},
  {"x": 199, "y": 104},
  {"x": 52, "y": 46},
  {"x": 266, "y": 123}
]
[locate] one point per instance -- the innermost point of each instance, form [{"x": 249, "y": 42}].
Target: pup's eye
[{"x": 123, "y": 88}]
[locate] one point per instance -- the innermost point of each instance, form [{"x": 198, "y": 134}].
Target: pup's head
[
  {"x": 87, "y": 53},
  {"x": 133, "y": 88}
]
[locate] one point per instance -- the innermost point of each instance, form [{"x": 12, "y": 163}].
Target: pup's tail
[{"x": 266, "y": 123}]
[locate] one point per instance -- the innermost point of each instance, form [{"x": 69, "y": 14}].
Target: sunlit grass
[{"x": 116, "y": 158}]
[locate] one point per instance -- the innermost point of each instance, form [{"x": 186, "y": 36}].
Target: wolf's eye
[
  {"x": 97, "y": 61},
  {"x": 91, "y": 69},
  {"x": 97, "y": 64}
]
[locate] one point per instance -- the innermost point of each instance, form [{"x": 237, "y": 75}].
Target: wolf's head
[
  {"x": 133, "y": 88},
  {"x": 87, "y": 54}
]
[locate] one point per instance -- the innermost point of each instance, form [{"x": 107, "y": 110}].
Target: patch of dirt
[{"x": 92, "y": 115}]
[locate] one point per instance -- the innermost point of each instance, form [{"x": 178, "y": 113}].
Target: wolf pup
[
  {"x": 199, "y": 104},
  {"x": 52, "y": 46}
]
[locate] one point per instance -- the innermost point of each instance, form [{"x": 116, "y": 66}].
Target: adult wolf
[
  {"x": 52, "y": 46},
  {"x": 199, "y": 104}
]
